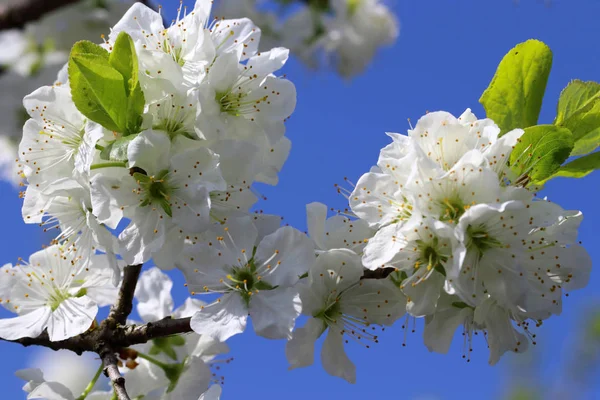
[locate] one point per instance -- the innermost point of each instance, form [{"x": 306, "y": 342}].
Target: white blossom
[
  {"x": 255, "y": 274},
  {"x": 52, "y": 292},
  {"x": 338, "y": 300}
]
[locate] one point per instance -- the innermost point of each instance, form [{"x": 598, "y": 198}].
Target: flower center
[
  {"x": 246, "y": 280},
  {"x": 155, "y": 190},
  {"x": 56, "y": 298},
  {"x": 330, "y": 313},
  {"x": 237, "y": 103},
  {"x": 481, "y": 240},
  {"x": 172, "y": 127},
  {"x": 452, "y": 209},
  {"x": 431, "y": 257},
  {"x": 174, "y": 51}
]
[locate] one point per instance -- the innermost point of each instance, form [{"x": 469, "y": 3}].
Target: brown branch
[
  {"x": 121, "y": 310},
  {"x": 119, "y": 336},
  {"x": 17, "y": 14},
  {"x": 111, "y": 370},
  {"x": 165, "y": 327},
  {"x": 380, "y": 273}
]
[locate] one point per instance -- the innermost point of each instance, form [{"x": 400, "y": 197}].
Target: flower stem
[
  {"x": 91, "y": 385},
  {"x": 98, "y": 147},
  {"x": 120, "y": 164},
  {"x": 153, "y": 360}
]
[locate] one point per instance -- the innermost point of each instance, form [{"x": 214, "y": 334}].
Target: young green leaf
[
  {"x": 579, "y": 111},
  {"x": 574, "y": 98},
  {"x": 98, "y": 89},
  {"x": 540, "y": 152},
  {"x": 588, "y": 143},
  {"x": 580, "y": 167},
  {"x": 514, "y": 97},
  {"x": 124, "y": 59}
]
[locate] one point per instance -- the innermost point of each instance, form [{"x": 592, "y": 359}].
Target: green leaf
[
  {"x": 579, "y": 111},
  {"x": 580, "y": 167},
  {"x": 540, "y": 152},
  {"x": 97, "y": 88},
  {"x": 574, "y": 98},
  {"x": 117, "y": 150},
  {"x": 587, "y": 143},
  {"x": 124, "y": 59},
  {"x": 514, "y": 97}
]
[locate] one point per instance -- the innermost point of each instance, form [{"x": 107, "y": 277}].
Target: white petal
[
  {"x": 335, "y": 269},
  {"x": 316, "y": 214},
  {"x": 193, "y": 381},
  {"x": 153, "y": 293},
  {"x": 33, "y": 376},
  {"x": 274, "y": 312},
  {"x": 27, "y": 325},
  {"x": 382, "y": 248},
  {"x": 376, "y": 301},
  {"x": 439, "y": 332},
  {"x": 289, "y": 252},
  {"x": 72, "y": 317},
  {"x": 213, "y": 393},
  {"x": 138, "y": 21},
  {"x": 144, "y": 236},
  {"x": 51, "y": 391},
  {"x": 300, "y": 349},
  {"x": 150, "y": 151},
  {"x": 269, "y": 61},
  {"x": 424, "y": 295},
  {"x": 222, "y": 319},
  {"x": 334, "y": 358}
]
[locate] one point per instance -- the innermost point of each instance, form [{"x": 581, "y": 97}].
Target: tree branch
[
  {"x": 379, "y": 273},
  {"x": 165, "y": 327},
  {"x": 121, "y": 310},
  {"x": 111, "y": 370},
  {"x": 17, "y": 14}
]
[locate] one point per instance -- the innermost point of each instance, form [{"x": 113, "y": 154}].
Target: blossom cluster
[
  {"x": 469, "y": 246},
  {"x": 32, "y": 56},
  {"x": 346, "y": 33},
  {"x": 147, "y": 149},
  {"x": 178, "y": 367}
]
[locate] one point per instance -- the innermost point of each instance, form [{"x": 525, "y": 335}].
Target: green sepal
[
  {"x": 460, "y": 304},
  {"x": 117, "y": 149}
]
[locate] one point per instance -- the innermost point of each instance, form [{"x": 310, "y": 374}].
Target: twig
[
  {"x": 152, "y": 330},
  {"x": 115, "y": 337},
  {"x": 124, "y": 305},
  {"x": 17, "y": 14},
  {"x": 111, "y": 370},
  {"x": 379, "y": 273}
]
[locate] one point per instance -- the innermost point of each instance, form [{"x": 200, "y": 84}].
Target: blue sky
[{"x": 444, "y": 59}]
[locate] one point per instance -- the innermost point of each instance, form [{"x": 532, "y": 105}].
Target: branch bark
[
  {"x": 111, "y": 370},
  {"x": 17, "y": 14},
  {"x": 121, "y": 310},
  {"x": 113, "y": 334}
]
